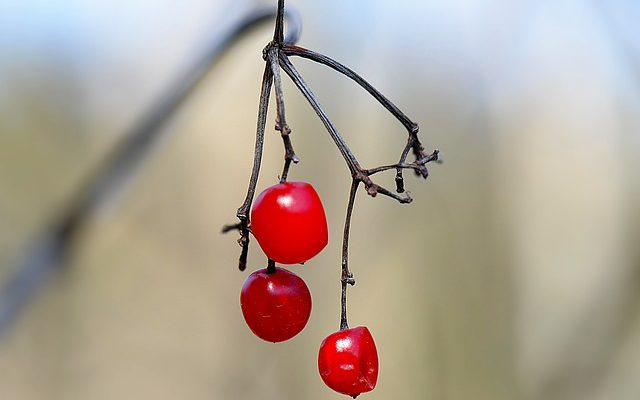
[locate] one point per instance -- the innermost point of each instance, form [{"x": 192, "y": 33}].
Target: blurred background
[{"x": 514, "y": 274}]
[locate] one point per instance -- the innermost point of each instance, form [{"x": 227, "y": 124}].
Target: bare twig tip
[
  {"x": 438, "y": 156},
  {"x": 372, "y": 190},
  {"x": 230, "y": 227}
]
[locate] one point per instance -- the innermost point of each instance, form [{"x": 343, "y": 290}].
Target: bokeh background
[{"x": 513, "y": 275}]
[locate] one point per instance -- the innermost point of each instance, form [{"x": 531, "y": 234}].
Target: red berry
[
  {"x": 289, "y": 223},
  {"x": 276, "y": 305},
  {"x": 348, "y": 361}
]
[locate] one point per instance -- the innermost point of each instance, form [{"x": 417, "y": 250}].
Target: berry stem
[
  {"x": 272, "y": 53},
  {"x": 271, "y": 266},
  {"x": 347, "y": 276},
  {"x": 243, "y": 211},
  {"x": 267, "y": 80}
]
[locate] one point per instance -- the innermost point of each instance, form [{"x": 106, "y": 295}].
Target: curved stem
[
  {"x": 347, "y": 276},
  {"x": 357, "y": 172},
  {"x": 243, "y": 211},
  {"x": 413, "y": 143},
  {"x": 295, "y": 76},
  {"x": 267, "y": 80},
  {"x": 291, "y": 50}
]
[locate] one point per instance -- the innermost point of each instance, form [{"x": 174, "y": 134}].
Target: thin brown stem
[
  {"x": 243, "y": 211},
  {"x": 413, "y": 143},
  {"x": 403, "y": 157},
  {"x": 418, "y": 165},
  {"x": 267, "y": 80},
  {"x": 382, "y": 168},
  {"x": 406, "y": 199},
  {"x": 278, "y": 34},
  {"x": 357, "y": 172},
  {"x": 295, "y": 76},
  {"x": 291, "y": 50},
  {"x": 347, "y": 276},
  {"x": 281, "y": 121}
]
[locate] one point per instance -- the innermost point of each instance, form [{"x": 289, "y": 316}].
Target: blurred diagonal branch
[{"x": 45, "y": 257}]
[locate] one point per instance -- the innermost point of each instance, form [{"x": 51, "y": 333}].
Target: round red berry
[
  {"x": 348, "y": 361},
  {"x": 275, "y": 305},
  {"x": 289, "y": 223}
]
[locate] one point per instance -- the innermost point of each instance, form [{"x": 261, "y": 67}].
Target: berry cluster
[{"x": 289, "y": 223}]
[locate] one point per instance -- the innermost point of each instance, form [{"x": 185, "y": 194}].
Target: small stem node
[{"x": 348, "y": 279}]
